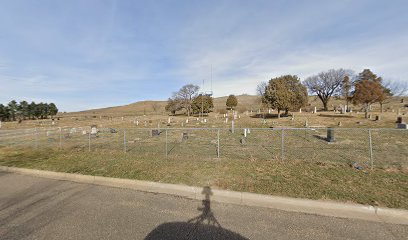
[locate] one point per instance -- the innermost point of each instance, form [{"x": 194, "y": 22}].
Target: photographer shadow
[{"x": 204, "y": 226}]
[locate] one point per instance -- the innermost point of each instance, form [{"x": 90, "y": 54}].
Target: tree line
[
  {"x": 288, "y": 93},
  {"x": 23, "y": 110}
]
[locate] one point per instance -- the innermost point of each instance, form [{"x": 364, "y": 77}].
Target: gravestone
[
  {"x": 300, "y": 110},
  {"x": 399, "y": 120},
  {"x": 245, "y": 132},
  {"x": 242, "y": 141},
  {"x": 232, "y": 126},
  {"x": 330, "y": 135},
  {"x": 205, "y": 120},
  {"x": 377, "y": 118},
  {"x": 249, "y": 131},
  {"x": 184, "y": 136},
  {"x": 315, "y": 110},
  {"x": 339, "y": 124},
  {"x": 137, "y": 123},
  {"x": 94, "y": 130},
  {"x": 155, "y": 132},
  {"x": 84, "y": 132},
  {"x": 306, "y": 124},
  {"x": 402, "y": 126},
  {"x": 226, "y": 120},
  {"x": 169, "y": 120}
]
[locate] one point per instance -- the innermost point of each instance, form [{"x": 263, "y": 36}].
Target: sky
[{"x": 83, "y": 54}]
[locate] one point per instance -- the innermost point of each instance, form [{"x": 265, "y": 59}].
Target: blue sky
[{"x": 85, "y": 54}]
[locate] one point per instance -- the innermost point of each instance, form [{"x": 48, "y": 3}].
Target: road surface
[{"x": 38, "y": 208}]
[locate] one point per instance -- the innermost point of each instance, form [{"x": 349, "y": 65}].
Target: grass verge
[{"x": 313, "y": 180}]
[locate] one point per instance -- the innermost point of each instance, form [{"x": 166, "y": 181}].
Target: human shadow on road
[{"x": 204, "y": 226}]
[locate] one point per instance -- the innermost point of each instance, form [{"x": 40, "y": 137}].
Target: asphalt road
[{"x": 37, "y": 208}]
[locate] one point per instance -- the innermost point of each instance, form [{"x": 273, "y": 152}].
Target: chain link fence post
[
  {"x": 370, "y": 143},
  {"x": 166, "y": 145},
  {"x": 36, "y": 138},
  {"x": 124, "y": 140},
  {"x": 283, "y": 144},
  {"x": 218, "y": 143},
  {"x": 89, "y": 141},
  {"x": 60, "y": 138}
]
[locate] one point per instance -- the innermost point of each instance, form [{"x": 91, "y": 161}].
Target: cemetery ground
[
  {"x": 306, "y": 166},
  {"x": 304, "y": 179}
]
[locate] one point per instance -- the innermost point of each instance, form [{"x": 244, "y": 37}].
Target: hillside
[{"x": 245, "y": 102}]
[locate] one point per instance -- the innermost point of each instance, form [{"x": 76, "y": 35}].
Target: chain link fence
[{"x": 383, "y": 148}]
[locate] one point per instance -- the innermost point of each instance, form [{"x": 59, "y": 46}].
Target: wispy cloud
[{"x": 85, "y": 54}]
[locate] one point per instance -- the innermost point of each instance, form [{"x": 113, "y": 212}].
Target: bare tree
[
  {"x": 155, "y": 106},
  {"x": 327, "y": 84},
  {"x": 186, "y": 95},
  {"x": 393, "y": 89},
  {"x": 260, "y": 89}
]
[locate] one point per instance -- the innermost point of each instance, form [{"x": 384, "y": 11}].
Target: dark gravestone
[
  {"x": 184, "y": 137},
  {"x": 242, "y": 141},
  {"x": 399, "y": 119},
  {"x": 155, "y": 132},
  {"x": 377, "y": 118},
  {"x": 330, "y": 135},
  {"x": 402, "y": 126}
]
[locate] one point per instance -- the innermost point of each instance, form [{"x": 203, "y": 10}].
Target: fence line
[{"x": 386, "y": 147}]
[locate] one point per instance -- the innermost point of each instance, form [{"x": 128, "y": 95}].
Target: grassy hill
[{"x": 245, "y": 102}]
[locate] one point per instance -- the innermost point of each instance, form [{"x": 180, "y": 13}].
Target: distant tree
[
  {"x": 23, "y": 110},
  {"x": 52, "y": 109},
  {"x": 260, "y": 88},
  {"x": 13, "y": 109},
  {"x": 155, "y": 106},
  {"x": 346, "y": 90},
  {"x": 327, "y": 84},
  {"x": 30, "y": 110},
  {"x": 232, "y": 102},
  {"x": 202, "y": 103},
  {"x": 173, "y": 105},
  {"x": 3, "y": 113},
  {"x": 185, "y": 96},
  {"x": 369, "y": 90},
  {"x": 286, "y": 93}
]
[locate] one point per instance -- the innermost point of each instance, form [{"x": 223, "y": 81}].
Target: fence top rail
[{"x": 33, "y": 130}]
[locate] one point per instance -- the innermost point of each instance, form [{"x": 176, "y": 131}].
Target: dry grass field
[
  {"x": 290, "y": 162},
  {"x": 151, "y": 114}
]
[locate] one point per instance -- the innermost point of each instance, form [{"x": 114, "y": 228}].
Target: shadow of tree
[
  {"x": 204, "y": 226},
  {"x": 269, "y": 116}
]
